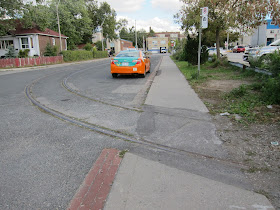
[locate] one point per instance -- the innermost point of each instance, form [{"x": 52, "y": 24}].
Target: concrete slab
[
  {"x": 166, "y": 90},
  {"x": 145, "y": 184}
]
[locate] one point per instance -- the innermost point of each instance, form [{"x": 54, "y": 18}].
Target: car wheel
[
  {"x": 143, "y": 75},
  {"x": 114, "y": 75},
  {"x": 149, "y": 69}
]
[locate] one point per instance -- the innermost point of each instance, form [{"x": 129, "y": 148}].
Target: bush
[
  {"x": 101, "y": 54},
  {"x": 51, "y": 50},
  {"x": 271, "y": 90},
  {"x": 11, "y": 52},
  {"x": 98, "y": 45},
  {"x": 76, "y": 55},
  {"x": 273, "y": 61},
  {"x": 190, "y": 52},
  {"x": 94, "y": 51},
  {"x": 270, "y": 62},
  {"x": 88, "y": 47},
  {"x": 23, "y": 53}
]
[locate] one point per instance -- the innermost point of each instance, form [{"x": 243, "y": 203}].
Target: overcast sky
[{"x": 155, "y": 13}]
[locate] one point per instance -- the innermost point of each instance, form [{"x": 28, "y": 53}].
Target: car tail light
[
  {"x": 114, "y": 61},
  {"x": 136, "y": 61}
]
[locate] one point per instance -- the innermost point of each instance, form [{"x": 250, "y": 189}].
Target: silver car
[{"x": 256, "y": 53}]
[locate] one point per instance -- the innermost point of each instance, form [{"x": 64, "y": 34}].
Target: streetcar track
[{"x": 116, "y": 134}]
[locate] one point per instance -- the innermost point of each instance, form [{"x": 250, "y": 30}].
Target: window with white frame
[
  {"x": 4, "y": 44},
  {"x": 53, "y": 41},
  {"x": 24, "y": 43}
]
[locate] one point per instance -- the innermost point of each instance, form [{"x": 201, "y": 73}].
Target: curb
[{"x": 93, "y": 192}]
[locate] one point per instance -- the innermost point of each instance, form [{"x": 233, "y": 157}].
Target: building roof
[
  {"x": 35, "y": 30},
  {"x": 19, "y": 30}
]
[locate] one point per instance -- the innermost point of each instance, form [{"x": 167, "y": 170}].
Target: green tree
[
  {"x": 104, "y": 16},
  {"x": 39, "y": 15},
  {"x": 227, "y": 14},
  {"x": 11, "y": 9}
]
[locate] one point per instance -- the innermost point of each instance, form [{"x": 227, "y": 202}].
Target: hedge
[
  {"x": 100, "y": 54},
  {"x": 76, "y": 55}
]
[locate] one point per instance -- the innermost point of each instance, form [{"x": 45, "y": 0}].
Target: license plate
[
  {"x": 124, "y": 64},
  {"x": 134, "y": 69}
]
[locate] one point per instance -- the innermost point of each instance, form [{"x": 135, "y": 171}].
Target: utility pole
[
  {"x": 102, "y": 33},
  {"x": 144, "y": 47},
  {"x": 227, "y": 39},
  {"x": 135, "y": 36},
  {"x": 60, "y": 42}
]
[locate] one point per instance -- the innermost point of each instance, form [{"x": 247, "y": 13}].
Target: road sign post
[{"x": 203, "y": 24}]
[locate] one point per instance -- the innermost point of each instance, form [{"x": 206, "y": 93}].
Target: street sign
[
  {"x": 204, "y": 22},
  {"x": 204, "y": 11},
  {"x": 204, "y": 17}
]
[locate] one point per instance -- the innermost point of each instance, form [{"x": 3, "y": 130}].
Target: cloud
[
  {"x": 167, "y": 5},
  {"x": 157, "y": 24},
  {"x": 125, "y": 5}
]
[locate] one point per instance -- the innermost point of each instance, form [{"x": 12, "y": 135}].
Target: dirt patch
[
  {"x": 252, "y": 145},
  {"x": 223, "y": 85}
]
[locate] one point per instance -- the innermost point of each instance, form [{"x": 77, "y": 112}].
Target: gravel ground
[{"x": 251, "y": 145}]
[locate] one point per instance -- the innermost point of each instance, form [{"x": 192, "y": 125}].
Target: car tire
[
  {"x": 114, "y": 75},
  {"x": 143, "y": 75}
]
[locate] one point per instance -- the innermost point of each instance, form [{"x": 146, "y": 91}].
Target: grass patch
[
  {"x": 249, "y": 100},
  {"x": 122, "y": 153}
]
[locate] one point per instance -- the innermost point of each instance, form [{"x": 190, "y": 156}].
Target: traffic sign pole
[{"x": 203, "y": 24}]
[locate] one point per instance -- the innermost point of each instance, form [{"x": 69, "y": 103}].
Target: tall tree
[
  {"x": 9, "y": 9},
  {"x": 227, "y": 14},
  {"x": 39, "y": 15},
  {"x": 103, "y": 15}
]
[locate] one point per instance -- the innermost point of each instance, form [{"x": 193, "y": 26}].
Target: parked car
[
  {"x": 163, "y": 50},
  {"x": 256, "y": 53},
  {"x": 130, "y": 62},
  {"x": 248, "y": 50},
  {"x": 238, "y": 49},
  {"x": 213, "y": 50}
]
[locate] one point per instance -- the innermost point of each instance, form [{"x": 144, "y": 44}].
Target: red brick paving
[{"x": 93, "y": 192}]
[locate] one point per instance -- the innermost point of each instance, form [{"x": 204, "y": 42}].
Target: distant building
[
  {"x": 261, "y": 36},
  {"x": 272, "y": 32},
  {"x": 118, "y": 45},
  {"x": 170, "y": 35},
  {"x": 33, "y": 39},
  {"x": 154, "y": 44}
]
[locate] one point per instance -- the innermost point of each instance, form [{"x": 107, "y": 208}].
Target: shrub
[
  {"x": 88, "y": 47},
  {"x": 101, "y": 54},
  {"x": 11, "y": 52},
  {"x": 190, "y": 52},
  {"x": 273, "y": 61},
  {"x": 98, "y": 45},
  {"x": 94, "y": 51},
  {"x": 271, "y": 90},
  {"x": 76, "y": 55},
  {"x": 51, "y": 50},
  {"x": 23, "y": 53}
]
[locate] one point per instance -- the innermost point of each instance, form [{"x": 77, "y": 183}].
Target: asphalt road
[{"x": 44, "y": 158}]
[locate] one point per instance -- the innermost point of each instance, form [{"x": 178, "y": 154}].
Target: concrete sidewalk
[
  {"x": 145, "y": 184},
  {"x": 170, "y": 89}
]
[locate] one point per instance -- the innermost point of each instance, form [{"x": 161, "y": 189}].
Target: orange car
[{"x": 130, "y": 62}]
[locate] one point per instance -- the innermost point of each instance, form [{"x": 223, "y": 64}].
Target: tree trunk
[{"x": 218, "y": 42}]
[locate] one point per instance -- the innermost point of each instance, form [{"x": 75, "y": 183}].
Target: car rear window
[
  {"x": 128, "y": 54},
  {"x": 240, "y": 47}
]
